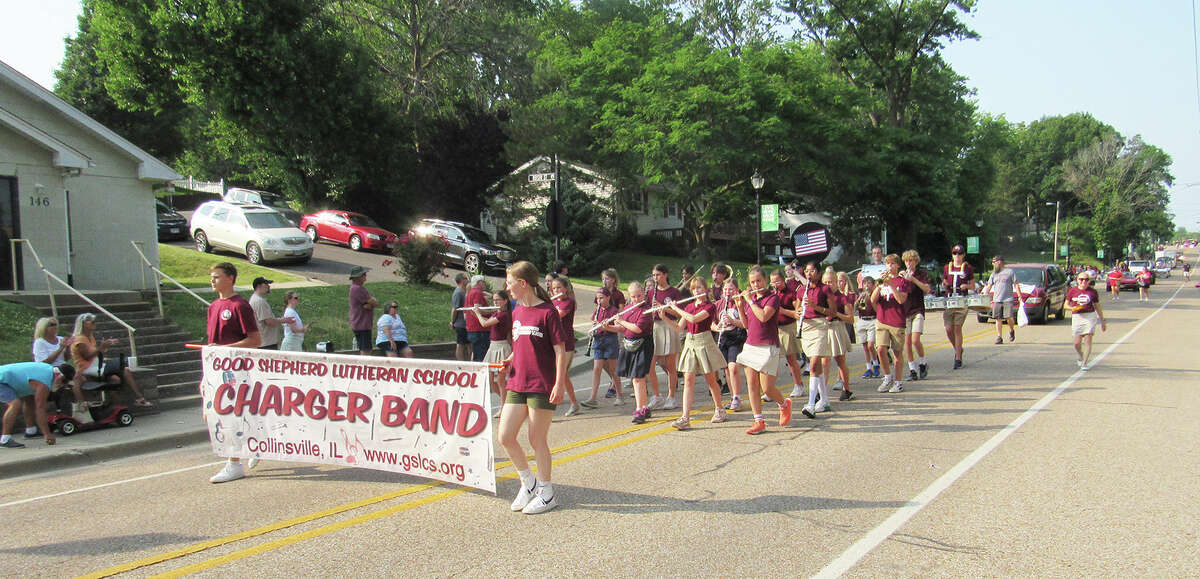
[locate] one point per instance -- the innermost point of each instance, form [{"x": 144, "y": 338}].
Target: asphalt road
[{"x": 1016, "y": 465}]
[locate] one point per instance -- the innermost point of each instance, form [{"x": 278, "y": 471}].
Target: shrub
[{"x": 419, "y": 258}]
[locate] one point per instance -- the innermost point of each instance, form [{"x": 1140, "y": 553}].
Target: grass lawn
[
  {"x": 190, "y": 267},
  {"x": 424, "y": 310},
  {"x": 16, "y": 332},
  {"x": 637, "y": 267}
]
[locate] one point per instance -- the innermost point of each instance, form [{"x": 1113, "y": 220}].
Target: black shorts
[
  {"x": 363, "y": 339},
  {"x": 460, "y": 336},
  {"x": 387, "y": 346}
]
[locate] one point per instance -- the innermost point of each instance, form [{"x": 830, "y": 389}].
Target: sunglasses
[
  {"x": 956, "y": 253},
  {"x": 1082, "y": 279}
]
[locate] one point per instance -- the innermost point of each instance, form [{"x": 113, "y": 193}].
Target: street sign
[
  {"x": 972, "y": 245},
  {"x": 1099, "y": 254},
  {"x": 770, "y": 217},
  {"x": 1062, "y": 250},
  {"x": 540, "y": 177}
]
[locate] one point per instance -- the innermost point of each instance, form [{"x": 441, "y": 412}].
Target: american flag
[{"x": 811, "y": 242}]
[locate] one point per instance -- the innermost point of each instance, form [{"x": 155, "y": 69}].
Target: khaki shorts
[
  {"x": 915, "y": 323},
  {"x": 955, "y": 317},
  {"x": 666, "y": 339},
  {"x": 864, "y": 330},
  {"x": 788, "y": 344},
  {"x": 1084, "y": 324},
  {"x": 814, "y": 338},
  {"x": 889, "y": 336}
]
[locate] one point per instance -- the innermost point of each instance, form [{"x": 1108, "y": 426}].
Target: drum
[
  {"x": 979, "y": 302},
  {"x": 956, "y": 302},
  {"x": 935, "y": 303}
]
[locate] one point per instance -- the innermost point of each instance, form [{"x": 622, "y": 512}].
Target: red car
[{"x": 356, "y": 230}]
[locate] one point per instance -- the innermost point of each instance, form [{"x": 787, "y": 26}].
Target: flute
[
  {"x": 556, "y": 296},
  {"x": 687, "y": 279},
  {"x": 667, "y": 305},
  {"x": 482, "y": 308},
  {"x": 609, "y": 320}
]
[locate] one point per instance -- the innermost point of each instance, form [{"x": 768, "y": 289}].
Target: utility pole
[{"x": 557, "y": 205}]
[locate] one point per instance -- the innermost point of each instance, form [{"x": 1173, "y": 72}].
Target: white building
[{"x": 75, "y": 189}]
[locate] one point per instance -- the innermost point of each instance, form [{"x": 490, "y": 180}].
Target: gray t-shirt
[
  {"x": 457, "y": 300},
  {"x": 262, "y": 311},
  {"x": 1002, "y": 285}
]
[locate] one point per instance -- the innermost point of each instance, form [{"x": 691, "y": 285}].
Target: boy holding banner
[{"x": 231, "y": 322}]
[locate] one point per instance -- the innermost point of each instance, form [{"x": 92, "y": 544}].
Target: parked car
[
  {"x": 1136, "y": 266},
  {"x": 468, "y": 247},
  {"x": 171, "y": 225},
  {"x": 348, "y": 228},
  {"x": 273, "y": 200},
  {"x": 260, "y": 233},
  {"x": 1044, "y": 286}
]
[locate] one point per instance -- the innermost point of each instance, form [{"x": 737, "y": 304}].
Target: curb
[{"x": 88, "y": 456}]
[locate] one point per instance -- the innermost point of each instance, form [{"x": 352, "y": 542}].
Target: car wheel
[
  {"x": 355, "y": 243},
  {"x": 1044, "y": 316},
  {"x": 67, "y": 427},
  {"x": 1061, "y": 314},
  {"x": 471, "y": 263},
  {"x": 202, "y": 243},
  {"x": 254, "y": 253},
  {"x": 125, "y": 418},
  {"x": 312, "y": 233}
]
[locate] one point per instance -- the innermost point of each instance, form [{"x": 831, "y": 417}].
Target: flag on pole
[{"x": 811, "y": 242}]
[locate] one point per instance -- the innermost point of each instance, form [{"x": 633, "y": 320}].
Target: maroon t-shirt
[
  {"x": 568, "y": 321},
  {"x": 601, "y": 314},
  {"x": 791, "y": 285},
  {"x": 503, "y": 329},
  {"x": 1086, "y": 298},
  {"x": 865, "y": 310},
  {"x": 966, "y": 276},
  {"x": 821, "y": 295},
  {"x": 787, "y": 301},
  {"x": 615, "y": 299},
  {"x": 916, "y": 298},
  {"x": 887, "y": 309},
  {"x": 230, "y": 320},
  {"x": 639, "y": 318},
  {"x": 662, "y": 296},
  {"x": 475, "y": 296},
  {"x": 535, "y": 330},
  {"x": 705, "y": 324},
  {"x": 840, "y": 301},
  {"x": 763, "y": 333},
  {"x": 360, "y": 316}
]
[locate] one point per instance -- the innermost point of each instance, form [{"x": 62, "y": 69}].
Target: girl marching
[
  {"x": 816, "y": 306},
  {"x": 789, "y": 346},
  {"x": 839, "y": 337},
  {"x": 564, "y": 302},
  {"x": 604, "y": 349},
  {"x": 760, "y": 356},
  {"x": 700, "y": 354},
  {"x": 500, "y": 327},
  {"x": 731, "y": 337},
  {"x": 637, "y": 349}
]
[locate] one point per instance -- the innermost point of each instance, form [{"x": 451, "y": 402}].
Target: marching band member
[
  {"x": 561, "y": 286},
  {"x": 611, "y": 282},
  {"x": 537, "y": 380},
  {"x": 864, "y": 326},
  {"x": 700, "y": 354},
  {"x": 731, "y": 337},
  {"x": 666, "y": 340},
  {"x": 604, "y": 350},
  {"x": 839, "y": 336},
  {"x": 500, "y": 327},
  {"x": 1084, "y": 303},
  {"x": 720, "y": 272},
  {"x": 817, "y": 306},
  {"x": 958, "y": 277},
  {"x": 789, "y": 346},
  {"x": 637, "y": 349},
  {"x": 914, "y": 323},
  {"x": 888, "y": 297},
  {"x": 760, "y": 356}
]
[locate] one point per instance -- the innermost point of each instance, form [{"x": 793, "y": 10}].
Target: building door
[{"x": 10, "y": 227}]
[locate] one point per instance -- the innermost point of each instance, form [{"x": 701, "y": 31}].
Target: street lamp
[
  {"x": 1056, "y": 207},
  {"x": 756, "y": 180}
]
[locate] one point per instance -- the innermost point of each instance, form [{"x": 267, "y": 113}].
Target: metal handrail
[
  {"x": 158, "y": 290},
  {"x": 49, "y": 291}
]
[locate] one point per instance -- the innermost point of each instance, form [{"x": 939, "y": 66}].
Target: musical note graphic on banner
[{"x": 217, "y": 434}]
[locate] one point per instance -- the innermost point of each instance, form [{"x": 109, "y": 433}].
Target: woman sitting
[
  {"x": 48, "y": 347},
  {"x": 86, "y": 352},
  {"x": 392, "y": 337}
]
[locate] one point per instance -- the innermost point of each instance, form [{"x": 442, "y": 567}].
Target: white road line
[
  {"x": 879, "y": 534},
  {"x": 111, "y": 484}
]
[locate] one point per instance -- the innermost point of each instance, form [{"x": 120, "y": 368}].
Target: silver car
[{"x": 258, "y": 232}]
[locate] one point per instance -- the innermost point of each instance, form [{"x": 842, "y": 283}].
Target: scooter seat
[{"x": 94, "y": 386}]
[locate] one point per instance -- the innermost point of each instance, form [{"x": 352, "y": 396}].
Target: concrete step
[
  {"x": 155, "y": 360},
  {"x": 103, "y": 323},
  {"x": 116, "y": 308},
  {"x": 181, "y": 376},
  {"x": 156, "y": 347},
  {"x": 181, "y": 401},
  {"x": 165, "y": 368}
]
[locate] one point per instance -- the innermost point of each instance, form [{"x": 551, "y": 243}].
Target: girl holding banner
[{"x": 536, "y": 383}]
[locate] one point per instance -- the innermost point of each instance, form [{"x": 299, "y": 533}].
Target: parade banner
[
  {"x": 426, "y": 418},
  {"x": 873, "y": 270}
]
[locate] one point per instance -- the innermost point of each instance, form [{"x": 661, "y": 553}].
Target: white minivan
[{"x": 260, "y": 233}]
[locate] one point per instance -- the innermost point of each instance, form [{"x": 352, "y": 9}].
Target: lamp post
[
  {"x": 1056, "y": 208},
  {"x": 756, "y": 181}
]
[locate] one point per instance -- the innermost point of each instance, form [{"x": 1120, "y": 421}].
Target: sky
[{"x": 1129, "y": 64}]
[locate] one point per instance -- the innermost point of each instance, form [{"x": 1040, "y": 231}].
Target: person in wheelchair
[{"x": 90, "y": 364}]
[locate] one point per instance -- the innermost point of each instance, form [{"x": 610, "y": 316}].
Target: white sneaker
[
  {"x": 1085, "y": 367},
  {"x": 656, "y": 403},
  {"x": 232, "y": 471},
  {"x": 896, "y": 387},
  {"x": 250, "y": 464},
  {"x": 821, "y": 406},
  {"x": 523, "y": 496},
  {"x": 669, "y": 404},
  {"x": 619, "y": 401},
  {"x": 838, "y": 385},
  {"x": 885, "y": 384},
  {"x": 1079, "y": 362},
  {"x": 798, "y": 393},
  {"x": 572, "y": 411},
  {"x": 539, "y": 504}
]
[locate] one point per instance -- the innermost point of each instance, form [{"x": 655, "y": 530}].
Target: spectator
[
  {"x": 458, "y": 318},
  {"x": 294, "y": 328},
  {"x": 50, "y": 349},
  {"x": 86, "y": 351},
  {"x": 1003, "y": 286},
  {"x": 477, "y": 335},
  {"x": 230, "y": 323},
  {"x": 27, "y": 385},
  {"x": 269, "y": 326},
  {"x": 559, "y": 267},
  {"x": 392, "y": 337},
  {"x": 361, "y": 306}
]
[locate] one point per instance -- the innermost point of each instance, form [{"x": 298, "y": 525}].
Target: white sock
[
  {"x": 545, "y": 490},
  {"x": 824, "y": 392},
  {"x": 921, "y": 361},
  {"x": 5, "y": 438},
  {"x": 912, "y": 365},
  {"x": 30, "y": 430},
  {"x": 813, "y": 388},
  {"x": 526, "y": 478}
]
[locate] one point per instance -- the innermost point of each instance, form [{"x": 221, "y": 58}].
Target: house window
[
  {"x": 638, "y": 202},
  {"x": 670, "y": 210}
]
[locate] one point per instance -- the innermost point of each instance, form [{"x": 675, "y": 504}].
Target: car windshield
[
  {"x": 362, "y": 221},
  {"x": 162, "y": 208},
  {"x": 476, "y": 234},
  {"x": 1028, "y": 275},
  {"x": 275, "y": 201},
  {"x": 265, "y": 220}
]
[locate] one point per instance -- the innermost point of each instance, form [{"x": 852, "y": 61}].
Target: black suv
[
  {"x": 171, "y": 225},
  {"x": 469, "y": 247}
]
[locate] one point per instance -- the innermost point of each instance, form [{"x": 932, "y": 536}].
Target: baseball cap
[
  {"x": 957, "y": 249},
  {"x": 476, "y": 279},
  {"x": 260, "y": 280}
]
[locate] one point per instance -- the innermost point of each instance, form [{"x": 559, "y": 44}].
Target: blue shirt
[
  {"x": 399, "y": 332},
  {"x": 17, "y": 376}
]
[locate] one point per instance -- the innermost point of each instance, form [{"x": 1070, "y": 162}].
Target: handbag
[
  {"x": 632, "y": 345},
  {"x": 1022, "y": 317}
]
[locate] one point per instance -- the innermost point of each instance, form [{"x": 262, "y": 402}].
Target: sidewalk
[{"x": 163, "y": 431}]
